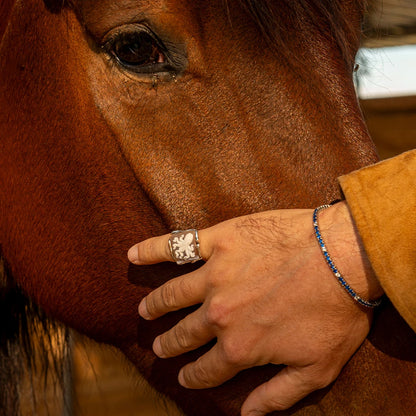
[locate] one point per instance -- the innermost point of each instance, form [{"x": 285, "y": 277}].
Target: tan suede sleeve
[{"x": 382, "y": 199}]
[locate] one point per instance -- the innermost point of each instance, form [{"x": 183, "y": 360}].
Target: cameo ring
[{"x": 184, "y": 246}]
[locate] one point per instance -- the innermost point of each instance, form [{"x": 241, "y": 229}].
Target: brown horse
[{"x": 125, "y": 119}]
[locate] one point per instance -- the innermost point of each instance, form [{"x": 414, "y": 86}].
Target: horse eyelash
[{"x": 153, "y": 76}]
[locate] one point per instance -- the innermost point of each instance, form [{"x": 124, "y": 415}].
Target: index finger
[
  {"x": 156, "y": 249},
  {"x": 151, "y": 251},
  {"x": 177, "y": 293}
]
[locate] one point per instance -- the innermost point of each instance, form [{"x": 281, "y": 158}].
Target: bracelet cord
[{"x": 331, "y": 264}]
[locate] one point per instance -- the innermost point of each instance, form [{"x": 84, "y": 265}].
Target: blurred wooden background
[
  {"x": 106, "y": 384},
  {"x": 390, "y": 23},
  {"x": 392, "y": 123}
]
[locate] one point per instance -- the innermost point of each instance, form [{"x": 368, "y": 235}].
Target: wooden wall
[
  {"x": 392, "y": 124},
  {"x": 106, "y": 384}
]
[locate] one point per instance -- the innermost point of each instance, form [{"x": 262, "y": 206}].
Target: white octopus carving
[{"x": 184, "y": 247}]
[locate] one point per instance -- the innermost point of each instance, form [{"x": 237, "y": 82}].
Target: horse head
[{"x": 125, "y": 119}]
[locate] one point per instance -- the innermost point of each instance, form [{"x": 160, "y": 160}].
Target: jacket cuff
[{"x": 382, "y": 201}]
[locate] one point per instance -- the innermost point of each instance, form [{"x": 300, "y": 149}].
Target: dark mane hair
[
  {"x": 328, "y": 14},
  {"x": 34, "y": 350}
]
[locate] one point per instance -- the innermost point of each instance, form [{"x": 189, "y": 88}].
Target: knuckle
[
  {"x": 165, "y": 345},
  {"x": 151, "y": 304},
  {"x": 225, "y": 243},
  {"x": 144, "y": 250},
  {"x": 167, "y": 295},
  {"x": 185, "y": 288},
  {"x": 201, "y": 375},
  {"x": 181, "y": 337},
  {"x": 227, "y": 239},
  {"x": 217, "y": 314}
]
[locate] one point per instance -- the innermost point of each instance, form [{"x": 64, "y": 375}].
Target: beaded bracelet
[{"x": 331, "y": 264}]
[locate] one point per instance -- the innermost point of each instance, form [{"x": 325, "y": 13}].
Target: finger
[
  {"x": 151, "y": 251},
  {"x": 189, "y": 334},
  {"x": 156, "y": 249},
  {"x": 210, "y": 370},
  {"x": 175, "y": 294},
  {"x": 281, "y": 392}
]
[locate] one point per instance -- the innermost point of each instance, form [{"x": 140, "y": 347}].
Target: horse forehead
[
  {"x": 199, "y": 21},
  {"x": 113, "y": 12},
  {"x": 110, "y": 6},
  {"x": 204, "y": 27}
]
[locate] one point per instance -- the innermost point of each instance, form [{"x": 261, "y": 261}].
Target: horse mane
[
  {"x": 327, "y": 14},
  {"x": 32, "y": 348}
]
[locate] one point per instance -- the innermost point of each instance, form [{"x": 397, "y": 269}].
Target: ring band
[{"x": 184, "y": 246}]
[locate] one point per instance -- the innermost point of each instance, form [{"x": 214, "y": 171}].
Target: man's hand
[{"x": 267, "y": 296}]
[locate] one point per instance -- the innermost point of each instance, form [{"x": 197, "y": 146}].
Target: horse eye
[{"x": 136, "y": 50}]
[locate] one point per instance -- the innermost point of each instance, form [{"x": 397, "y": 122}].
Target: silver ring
[{"x": 184, "y": 246}]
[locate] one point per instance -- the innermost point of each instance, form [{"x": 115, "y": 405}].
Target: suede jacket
[{"x": 382, "y": 200}]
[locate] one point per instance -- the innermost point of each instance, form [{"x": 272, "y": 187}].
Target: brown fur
[{"x": 94, "y": 160}]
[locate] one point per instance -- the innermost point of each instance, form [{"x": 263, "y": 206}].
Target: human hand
[{"x": 267, "y": 296}]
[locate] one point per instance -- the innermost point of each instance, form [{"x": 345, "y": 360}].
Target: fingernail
[
  {"x": 181, "y": 379},
  {"x": 133, "y": 255},
  {"x": 157, "y": 348},
  {"x": 143, "y": 312}
]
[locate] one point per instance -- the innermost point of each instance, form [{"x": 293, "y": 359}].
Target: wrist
[{"x": 347, "y": 251}]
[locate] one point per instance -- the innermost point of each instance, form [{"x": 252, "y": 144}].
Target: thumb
[{"x": 281, "y": 392}]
